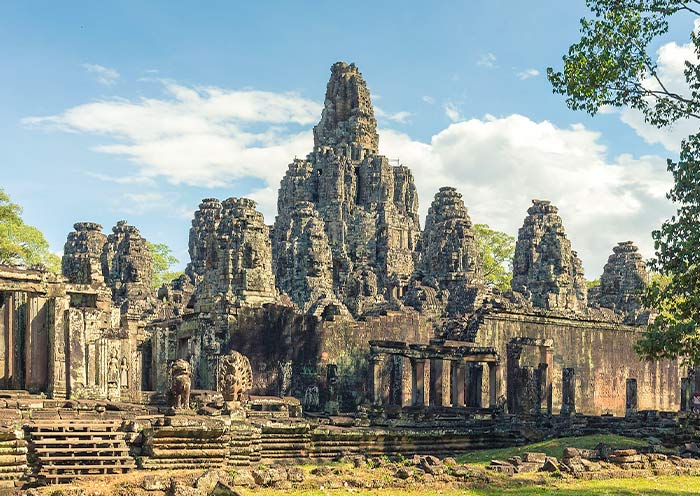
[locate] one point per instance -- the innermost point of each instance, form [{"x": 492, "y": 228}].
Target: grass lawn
[
  {"x": 656, "y": 486},
  {"x": 552, "y": 447}
]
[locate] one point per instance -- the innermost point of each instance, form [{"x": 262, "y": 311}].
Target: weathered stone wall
[
  {"x": 276, "y": 334},
  {"x": 602, "y": 355}
]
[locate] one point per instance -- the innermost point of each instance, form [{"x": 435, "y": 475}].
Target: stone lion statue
[
  {"x": 181, "y": 381},
  {"x": 235, "y": 376}
]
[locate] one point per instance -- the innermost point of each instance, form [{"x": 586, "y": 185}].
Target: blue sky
[{"x": 137, "y": 110}]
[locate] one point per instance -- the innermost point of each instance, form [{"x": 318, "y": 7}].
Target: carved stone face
[{"x": 252, "y": 256}]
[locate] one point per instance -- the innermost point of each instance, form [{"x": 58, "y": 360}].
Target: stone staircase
[{"x": 66, "y": 450}]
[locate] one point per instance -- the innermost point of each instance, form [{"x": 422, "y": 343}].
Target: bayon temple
[{"x": 343, "y": 308}]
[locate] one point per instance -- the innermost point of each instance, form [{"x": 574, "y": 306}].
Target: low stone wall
[{"x": 601, "y": 354}]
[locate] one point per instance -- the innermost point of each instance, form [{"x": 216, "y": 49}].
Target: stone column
[
  {"x": 546, "y": 357},
  {"x": 493, "y": 386},
  {"x": 631, "y": 397},
  {"x": 436, "y": 365},
  {"x": 396, "y": 384},
  {"x": 377, "y": 369},
  {"x": 332, "y": 406},
  {"x": 458, "y": 377},
  {"x": 568, "y": 392},
  {"x": 685, "y": 394},
  {"x": 418, "y": 381},
  {"x": 475, "y": 385}
]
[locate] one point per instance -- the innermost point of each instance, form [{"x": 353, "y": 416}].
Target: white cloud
[
  {"x": 487, "y": 60},
  {"x": 671, "y": 59},
  {"x": 527, "y": 74},
  {"x": 500, "y": 165},
  {"x": 400, "y": 117},
  {"x": 104, "y": 75},
  {"x": 197, "y": 136},
  {"x": 428, "y": 99},
  {"x": 452, "y": 112}
]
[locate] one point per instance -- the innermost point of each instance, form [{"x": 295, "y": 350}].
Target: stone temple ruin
[{"x": 343, "y": 306}]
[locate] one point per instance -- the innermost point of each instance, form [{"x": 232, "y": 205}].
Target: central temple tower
[{"x": 368, "y": 208}]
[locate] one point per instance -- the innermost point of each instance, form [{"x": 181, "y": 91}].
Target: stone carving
[
  {"x": 235, "y": 376},
  {"x": 545, "y": 268},
  {"x": 450, "y": 254},
  {"x": 124, "y": 374},
  {"x": 81, "y": 262},
  {"x": 367, "y": 208},
  {"x": 622, "y": 283},
  {"x": 285, "y": 377},
  {"x": 113, "y": 369},
  {"x": 127, "y": 265},
  {"x": 311, "y": 398},
  {"x": 181, "y": 381}
]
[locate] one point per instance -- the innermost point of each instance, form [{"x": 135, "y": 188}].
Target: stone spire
[
  {"x": 243, "y": 260},
  {"x": 545, "y": 268},
  {"x": 623, "y": 281},
  {"x": 202, "y": 241},
  {"x": 127, "y": 264},
  {"x": 82, "y": 253},
  {"x": 449, "y": 252},
  {"x": 348, "y": 116}
]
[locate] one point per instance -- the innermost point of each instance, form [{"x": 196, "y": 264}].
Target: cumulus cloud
[
  {"x": 487, "y": 60},
  {"x": 527, "y": 74},
  {"x": 500, "y": 165},
  {"x": 104, "y": 75}
]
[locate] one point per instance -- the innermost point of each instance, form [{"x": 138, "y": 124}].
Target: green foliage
[
  {"x": 163, "y": 260},
  {"x": 20, "y": 244},
  {"x": 675, "y": 289},
  {"x": 611, "y": 64},
  {"x": 496, "y": 250},
  {"x": 552, "y": 447},
  {"x": 593, "y": 284}
]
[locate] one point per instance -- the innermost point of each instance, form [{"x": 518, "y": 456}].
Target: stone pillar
[
  {"x": 493, "y": 386},
  {"x": 685, "y": 394},
  {"x": 475, "y": 385},
  {"x": 332, "y": 406},
  {"x": 546, "y": 357},
  {"x": 631, "y": 397},
  {"x": 568, "y": 392},
  {"x": 377, "y": 370},
  {"x": 436, "y": 366},
  {"x": 458, "y": 377},
  {"x": 396, "y": 384},
  {"x": 418, "y": 381}
]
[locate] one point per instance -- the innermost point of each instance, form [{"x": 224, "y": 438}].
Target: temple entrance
[{"x": 24, "y": 341}]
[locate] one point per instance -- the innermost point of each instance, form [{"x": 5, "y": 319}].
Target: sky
[{"x": 138, "y": 110}]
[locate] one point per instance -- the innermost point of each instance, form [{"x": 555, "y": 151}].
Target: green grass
[
  {"x": 552, "y": 447},
  {"x": 653, "y": 486}
]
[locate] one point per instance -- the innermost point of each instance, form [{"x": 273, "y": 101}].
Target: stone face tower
[
  {"x": 623, "y": 281},
  {"x": 545, "y": 268},
  {"x": 368, "y": 208},
  {"x": 82, "y": 253},
  {"x": 449, "y": 248}
]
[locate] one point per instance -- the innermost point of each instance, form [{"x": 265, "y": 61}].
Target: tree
[
  {"x": 20, "y": 244},
  {"x": 163, "y": 260},
  {"x": 611, "y": 65},
  {"x": 496, "y": 250}
]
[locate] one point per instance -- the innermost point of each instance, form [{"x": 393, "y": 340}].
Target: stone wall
[{"x": 601, "y": 353}]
